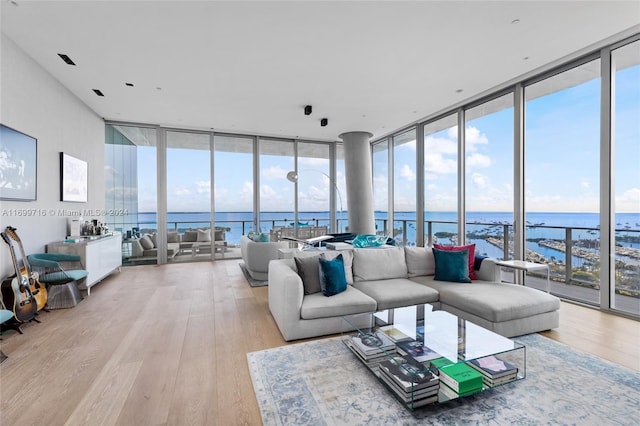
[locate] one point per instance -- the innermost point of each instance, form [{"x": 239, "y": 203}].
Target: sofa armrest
[
  {"x": 285, "y": 293},
  {"x": 489, "y": 271}
]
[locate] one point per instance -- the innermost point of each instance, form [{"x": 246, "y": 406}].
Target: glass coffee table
[{"x": 425, "y": 357}]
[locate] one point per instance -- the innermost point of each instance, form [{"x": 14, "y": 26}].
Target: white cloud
[
  {"x": 480, "y": 181},
  {"x": 441, "y": 145},
  {"x": 629, "y": 201},
  {"x": 317, "y": 163},
  {"x": 266, "y": 191},
  {"x": 435, "y": 163},
  {"x": 203, "y": 187},
  {"x": 274, "y": 172},
  {"x": 473, "y": 137},
  {"x": 477, "y": 160},
  {"x": 585, "y": 184},
  {"x": 181, "y": 191},
  {"x": 407, "y": 173}
]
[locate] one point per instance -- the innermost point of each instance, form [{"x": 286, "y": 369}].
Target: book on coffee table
[
  {"x": 408, "y": 374},
  {"x": 418, "y": 350},
  {"x": 493, "y": 367},
  {"x": 461, "y": 378},
  {"x": 372, "y": 343}
]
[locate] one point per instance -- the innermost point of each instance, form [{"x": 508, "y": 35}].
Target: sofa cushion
[
  {"x": 146, "y": 242},
  {"x": 371, "y": 264},
  {"x": 452, "y": 266},
  {"x": 397, "y": 292},
  {"x": 420, "y": 261},
  {"x": 173, "y": 237},
  {"x": 349, "y": 302},
  {"x": 332, "y": 276},
  {"x": 347, "y": 258},
  {"x": 309, "y": 271},
  {"x": 494, "y": 302},
  {"x": 204, "y": 235},
  {"x": 190, "y": 236},
  {"x": 472, "y": 255}
]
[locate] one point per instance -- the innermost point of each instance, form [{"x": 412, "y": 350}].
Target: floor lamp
[{"x": 292, "y": 177}]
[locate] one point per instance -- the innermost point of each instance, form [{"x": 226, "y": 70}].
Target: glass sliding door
[
  {"x": 233, "y": 191},
  {"x": 380, "y": 166},
  {"x": 489, "y": 176},
  {"x": 314, "y": 186},
  {"x": 189, "y": 232},
  {"x": 277, "y": 193},
  {"x": 131, "y": 189},
  {"x": 404, "y": 188},
  {"x": 626, "y": 176},
  {"x": 341, "y": 182},
  {"x": 562, "y": 163},
  {"x": 441, "y": 181}
]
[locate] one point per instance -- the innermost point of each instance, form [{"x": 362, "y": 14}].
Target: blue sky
[{"x": 561, "y": 170}]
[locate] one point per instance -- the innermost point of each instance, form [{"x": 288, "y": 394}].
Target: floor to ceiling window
[
  {"x": 441, "y": 180},
  {"x": 233, "y": 190},
  {"x": 626, "y": 176},
  {"x": 314, "y": 185},
  {"x": 380, "y": 169},
  {"x": 562, "y": 163},
  {"x": 489, "y": 176},
  {"x": 131, "y": 189},
  {"x": 277, "y": 193},
  {"x": 404, "y": 188},
  {"x": 341, "y": 190},
  {"x": 189, "y": 232}
]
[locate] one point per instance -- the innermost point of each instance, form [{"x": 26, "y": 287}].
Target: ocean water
[{"x": 539, "y": 225}]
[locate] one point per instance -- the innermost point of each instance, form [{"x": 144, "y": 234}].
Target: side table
[{"x": 522, "y": 265}]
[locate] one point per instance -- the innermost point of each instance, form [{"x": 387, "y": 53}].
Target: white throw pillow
[
  {"x": 370, "y": 264},
  {"x": 173, "y": 237},
  {"x": 146, "y": 242},
  {"x": 420, "y": 261},
  {"x": 204, "y": 235}
]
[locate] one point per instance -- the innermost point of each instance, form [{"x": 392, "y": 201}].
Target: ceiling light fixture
[
  {"x": 98, "y": 92},
  {"x": 515, "y": 21},
  {"x": 129, "y": 84},
  {"x": 66, "y": 59},
  {"x": 458, "y": 90},
  {"x": 324, "y": 122},
  {"x": 307, "y": 110}
]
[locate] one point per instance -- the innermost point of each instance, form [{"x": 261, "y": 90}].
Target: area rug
[
  {"x": 252, "y": 282},
  {"x": 322, "y": 383}
]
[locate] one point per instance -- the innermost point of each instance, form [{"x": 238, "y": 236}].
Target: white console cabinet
[{"x": 100, "y": 256}]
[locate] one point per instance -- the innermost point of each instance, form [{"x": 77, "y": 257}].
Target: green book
[
  {"x": 440, "y": 362},
  {"x": 461, "y": 378}
]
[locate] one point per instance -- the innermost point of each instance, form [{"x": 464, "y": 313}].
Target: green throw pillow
[
  {"x": 332, "y": 277},
  {"x": 452, "y": 266}
]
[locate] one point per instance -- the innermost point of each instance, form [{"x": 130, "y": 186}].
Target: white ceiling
[{"x": 250, "y": 67}]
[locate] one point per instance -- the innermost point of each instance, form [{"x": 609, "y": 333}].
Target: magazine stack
[
  {"x": 371, "y": 348},
  {"x": 410, "y": 380},
  {"x": 494, "y": 370}
]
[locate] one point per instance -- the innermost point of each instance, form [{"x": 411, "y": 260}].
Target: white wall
[{"x": 33, "y": 102}]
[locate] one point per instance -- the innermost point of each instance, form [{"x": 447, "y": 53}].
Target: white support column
[{"x": 358, "y": 170}]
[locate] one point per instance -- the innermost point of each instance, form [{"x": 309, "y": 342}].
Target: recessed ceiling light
[
  {"x": 526, "y": 58},
  {"x": 129, "y": 84},
  {"x": 364, "y": 115},
  {"x": 515, "y": 21},
  {"x": 459, "y": 90},
  {"x": 415, "y": 112},
  {"x": 98, "y": 92},
  {"x": 158, "y": 88},
  {"x": 66, "y": 59}
]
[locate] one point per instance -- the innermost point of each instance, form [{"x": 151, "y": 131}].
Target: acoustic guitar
[
  {"x": 38, "y": 290},
  {"x": 15, "y": 290}
]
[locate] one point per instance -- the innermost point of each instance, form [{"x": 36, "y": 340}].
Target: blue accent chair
[{"x": 62, "y": 282}]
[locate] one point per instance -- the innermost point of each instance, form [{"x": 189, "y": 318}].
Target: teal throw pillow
[
  {"x": 332, "y": 277},
  {"x": 452, "y": 266}
]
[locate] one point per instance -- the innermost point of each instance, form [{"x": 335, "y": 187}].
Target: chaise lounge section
[{"x": 394, "y": 277}]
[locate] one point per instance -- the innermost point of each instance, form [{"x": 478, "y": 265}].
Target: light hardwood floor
[{"x": 157, "y": 345}]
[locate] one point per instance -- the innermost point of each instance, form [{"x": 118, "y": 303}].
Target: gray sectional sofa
[{"x": 393, "y": 277}]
